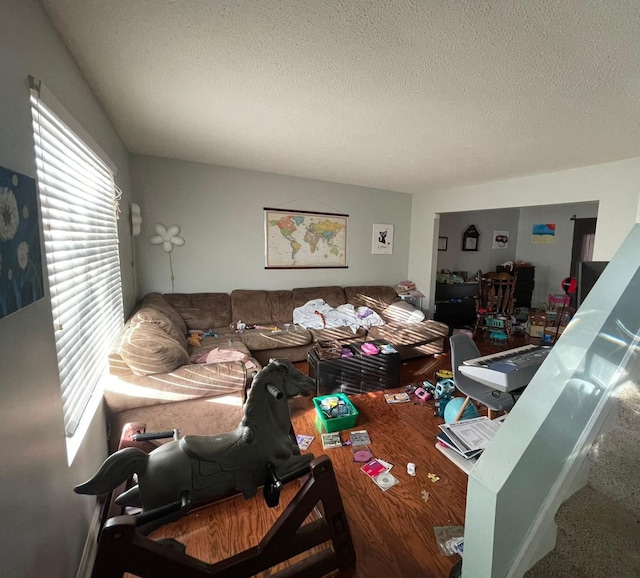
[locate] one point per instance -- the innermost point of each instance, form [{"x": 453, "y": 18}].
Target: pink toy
[
  {"x": 422, "y": 394},
  {"x": 369, "y": 348}
]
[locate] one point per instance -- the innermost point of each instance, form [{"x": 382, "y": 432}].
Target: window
[{"x": 78, "y": 200}]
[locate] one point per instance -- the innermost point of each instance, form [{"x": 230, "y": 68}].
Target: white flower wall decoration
[{"x": 168, "y": 238}]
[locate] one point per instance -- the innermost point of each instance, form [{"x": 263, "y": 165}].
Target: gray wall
[
  {"x": 44, "y": 524},
  {"x": 552, "y": 262},
  {"x": 220, "y": 211},
  {"x": 453, "y": 225}
]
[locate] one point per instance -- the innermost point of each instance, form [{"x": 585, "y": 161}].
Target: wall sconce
[{"x": 135, "y": 219}]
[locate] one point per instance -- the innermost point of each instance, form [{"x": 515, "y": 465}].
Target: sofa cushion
[
  {"x": 159, "y": 303},
  {"x": 376, "y": 297},
  {"x": 332, "y": 295},
  {"x": 403, "y": 312},
  {"x": 146, "y": 348},
  {"x": 260, "y": 340},
  {"x": 202, "y": 311},
  {"x": 193, "y": 381},
  {"x": 257, "y": 307},
  {"x": 338, "y": 334},
  {"x": 227, "y": 341},
  {"x": 153, "y": 314},
  {"x": 399, "y": 333},
  {"x": 206, "y": 416}
]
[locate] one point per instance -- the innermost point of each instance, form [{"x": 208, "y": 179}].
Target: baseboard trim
[{"x": 85, "y": 568}]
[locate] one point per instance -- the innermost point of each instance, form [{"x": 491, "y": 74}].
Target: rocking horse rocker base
[{"x": 122, "y": 548}]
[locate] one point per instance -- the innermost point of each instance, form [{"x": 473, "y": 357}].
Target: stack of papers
[{"x": 469, "y": 437}]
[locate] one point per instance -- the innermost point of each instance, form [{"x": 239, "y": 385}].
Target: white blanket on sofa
[{"x": 317, "y": 314}]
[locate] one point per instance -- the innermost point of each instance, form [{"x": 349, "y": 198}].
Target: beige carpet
[{"x": 599, "y": 526}]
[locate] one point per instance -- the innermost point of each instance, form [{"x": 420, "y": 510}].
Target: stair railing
[{"x": 537, "y": 458}]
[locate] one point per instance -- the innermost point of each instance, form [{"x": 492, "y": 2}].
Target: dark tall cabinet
[
  {"x": 456, "y": 304},
  {"x": 524, "y": 285}
]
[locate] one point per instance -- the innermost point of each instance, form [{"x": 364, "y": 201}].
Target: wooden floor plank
[{"x": 392, "y": 531}]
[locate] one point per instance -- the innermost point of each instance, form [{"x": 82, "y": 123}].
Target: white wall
[
  {"x": 44, "y": 524},
  {"x": 220, "y": 211},
  {"x": 453, "y": 225},
  {"x": 614, "y": 186}
]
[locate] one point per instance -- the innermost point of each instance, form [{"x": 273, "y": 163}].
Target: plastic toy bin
[
  {"x": 559, "y": 300},
  {"x": 494, "y": 323},
  {"x": 338, "y": 423}
]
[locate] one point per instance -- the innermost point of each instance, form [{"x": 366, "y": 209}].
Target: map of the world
[{"x": 305, "y": 239}]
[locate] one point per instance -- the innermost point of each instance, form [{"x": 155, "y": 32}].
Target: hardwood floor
[{"x": 392, "y": 531}]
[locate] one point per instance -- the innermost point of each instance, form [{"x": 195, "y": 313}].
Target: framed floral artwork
[{"x": 20, "y": 257}]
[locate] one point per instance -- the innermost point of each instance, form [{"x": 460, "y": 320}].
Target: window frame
[{"x": 79, "y": 211}]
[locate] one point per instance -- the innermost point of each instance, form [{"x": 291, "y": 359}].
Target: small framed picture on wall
[
  {"x": 382, "y": 242},
  {"x": 500, "y": 240},
  {"x": 442, "y": 243}
]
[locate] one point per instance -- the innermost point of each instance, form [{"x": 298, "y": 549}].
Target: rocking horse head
[
  {"x": 204, "y": 468},
  {"x": 276, "y": 383}
]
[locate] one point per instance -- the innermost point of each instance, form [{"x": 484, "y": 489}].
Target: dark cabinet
[
  {"x": 524, "y": 285},
  {"x": 455, "y": 304}
]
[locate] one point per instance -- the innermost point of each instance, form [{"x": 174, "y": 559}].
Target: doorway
[{"x": 584, "y": 234}]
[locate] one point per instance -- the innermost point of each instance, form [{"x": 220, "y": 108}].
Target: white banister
[{"x": 537, "y": 456}]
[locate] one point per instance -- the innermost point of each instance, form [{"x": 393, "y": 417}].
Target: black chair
[{"x": 462, "y": 349}]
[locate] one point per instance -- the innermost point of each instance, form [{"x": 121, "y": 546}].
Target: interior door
[{"x": 584, "y": 234}]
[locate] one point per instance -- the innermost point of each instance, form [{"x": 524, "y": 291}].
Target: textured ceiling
[{"x": 400, "y": 95}]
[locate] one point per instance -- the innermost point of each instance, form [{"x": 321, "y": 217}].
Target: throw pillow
[
  {"x": 146, "y": 349},
  {"x": 156, "y": 315},
  {"x": 403, "y": 312}
]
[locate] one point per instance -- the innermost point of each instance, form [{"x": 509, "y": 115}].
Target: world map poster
[{"x": 305, "y": 239}]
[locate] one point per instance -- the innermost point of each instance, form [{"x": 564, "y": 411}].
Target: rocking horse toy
[{"x": 195, "y": 470}]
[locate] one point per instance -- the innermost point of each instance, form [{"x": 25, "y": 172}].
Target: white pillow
[{"x": 403, "y": 312}]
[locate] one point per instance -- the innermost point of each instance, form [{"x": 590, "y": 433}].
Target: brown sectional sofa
[
  {"x": 152, "y": 380},
  {"x": 151, "y": 365}
]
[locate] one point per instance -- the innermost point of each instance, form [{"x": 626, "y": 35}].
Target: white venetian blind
[{"x": 78, "y": 201}]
